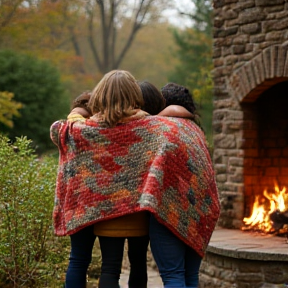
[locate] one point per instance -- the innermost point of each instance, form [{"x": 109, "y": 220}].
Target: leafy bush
[
  {"x": 36, "y": 84},
  {"x": 30, "y": 255}
]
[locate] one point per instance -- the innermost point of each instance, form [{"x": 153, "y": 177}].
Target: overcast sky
[{"x": 173, "y": 15}]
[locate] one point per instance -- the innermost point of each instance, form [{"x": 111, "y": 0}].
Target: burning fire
[{"x": 260, "y": 217}]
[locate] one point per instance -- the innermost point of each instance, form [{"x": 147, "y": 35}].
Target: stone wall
[
  {"x": 250, "y": 56},
  {"x": 218, "y": 271}
]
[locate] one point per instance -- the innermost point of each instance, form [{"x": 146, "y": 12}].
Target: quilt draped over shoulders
[{"x": 157, "y": 164}]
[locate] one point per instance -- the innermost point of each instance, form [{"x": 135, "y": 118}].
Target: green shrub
[
  {"x": 30, "y": 254},
  {"x": 36, "y": 84}
]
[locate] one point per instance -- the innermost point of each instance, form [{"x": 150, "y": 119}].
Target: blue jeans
[
  {"x": 178, "y": 263},
  {"x": 82, "y": 244},
  {"x": 112, "y": 248}
]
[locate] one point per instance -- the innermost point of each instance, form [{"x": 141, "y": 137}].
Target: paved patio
[{"x": 154, "y": 280}]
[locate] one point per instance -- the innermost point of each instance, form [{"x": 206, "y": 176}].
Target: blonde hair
[{"x": 115, "y": 96}]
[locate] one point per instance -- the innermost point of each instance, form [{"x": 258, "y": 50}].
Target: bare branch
[
  {"x": 91, "y": 41},
  {"x": 138, "y": 22},
  {"x": 11, "y": 13}
]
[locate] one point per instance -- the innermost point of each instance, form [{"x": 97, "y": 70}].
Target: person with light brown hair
[
  {"x": 117, "y": 93},
  {"x": 115, "y": 97}
]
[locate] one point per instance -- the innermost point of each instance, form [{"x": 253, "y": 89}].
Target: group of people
[{"x": 134, "y": 164}]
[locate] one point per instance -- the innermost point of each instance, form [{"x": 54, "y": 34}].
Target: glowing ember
[{"x": 263, "y": 207}]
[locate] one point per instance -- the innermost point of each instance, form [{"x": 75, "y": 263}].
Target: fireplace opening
[{"x": 265, "y": 172}]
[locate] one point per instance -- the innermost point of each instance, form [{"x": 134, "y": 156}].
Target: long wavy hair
[{"x": 115, "y": 96}]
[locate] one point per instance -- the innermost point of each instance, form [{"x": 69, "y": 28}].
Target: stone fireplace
[{"x": 250, "y": 124}]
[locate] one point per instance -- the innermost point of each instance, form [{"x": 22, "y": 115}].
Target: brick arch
[{"x": 262, "y": 72}]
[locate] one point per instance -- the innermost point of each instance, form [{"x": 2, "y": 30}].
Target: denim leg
[
  {"x": 192, "y": 265},
  {"x": 80, "y": 257},
  {"x": 112, "y": 255},
  {"x": 137, "y": 254},
  {"x": 169, "y": 254}
]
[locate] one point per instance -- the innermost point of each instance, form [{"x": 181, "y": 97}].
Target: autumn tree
[
  {"x": 112, "y": 27},
  {"x": 8, "y": 10}
]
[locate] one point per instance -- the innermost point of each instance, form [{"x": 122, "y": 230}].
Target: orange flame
[{"x": 260, "y": 217}]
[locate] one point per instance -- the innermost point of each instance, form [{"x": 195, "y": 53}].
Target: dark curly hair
[
  {"x": 176, "y": 94},
  {"x": 154, "y": 101}
]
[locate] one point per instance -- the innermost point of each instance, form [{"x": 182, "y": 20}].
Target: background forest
[{"x": 50, "y": 52}]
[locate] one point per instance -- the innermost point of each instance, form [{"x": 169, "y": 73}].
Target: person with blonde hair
[{"x": 122, "y": 161}]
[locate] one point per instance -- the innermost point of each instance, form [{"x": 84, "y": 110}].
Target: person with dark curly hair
[
  {"x": 178, "y": 96},
  {"x": 178, "y": 263}
]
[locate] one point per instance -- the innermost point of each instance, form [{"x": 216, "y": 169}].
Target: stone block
[
  {"x": 218, "y": 22},
  {"x": 229, "y": 14},
  {"x": 224, "y": 32},
  {"x": 232, "y": 126},
  {"x": 251, "y": 15},
  {"x": 251, "y": 29},
  {"x": 275, "y": 36},
  {"x": 275, "y": 273},
  {"x": 219, "y": 3},
  {"x": 238, "y": 49},
  {"x": 249, "y": 278},
  {"x": 267, "y": 62},
  {"x": 249, "y": 70},
  {"x": 267, "y": 44},
  {"x": 226, "y": 103},
  {"x": 270, "y": 25},
  {"x": 282, "y": 52},
  {"x": 236, "y": 161},
  {"x": 217, "y": 127},
  {"x": 259, "y": 38},
  {"x": 273, "y": 11},
  {"x": 249, "y": 47},
  {"x": 217, "y": 52},
  {"x": 241, "y": 39},
  {"x": 222, "y": 178},
  {"x": 282, "y": 13},
  {"x": 253, "y": 267},
  {"x": 268, "y": 2},
  {"x": 219, "y": 114},
  {"x": 226, "y": 51},
  {"x": 231, "y": 59},
  {"x": 221, "y": 168},
  {"x": 242, "y": 5},
  {"x": 234, "y": 115},
  {"x": 227, "y": 275},
  {"x": 224, "y": 141}
]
